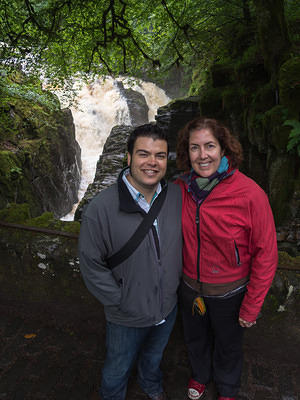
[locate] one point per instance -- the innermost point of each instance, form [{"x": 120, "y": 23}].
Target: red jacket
[{"x": 237, "y": 238}]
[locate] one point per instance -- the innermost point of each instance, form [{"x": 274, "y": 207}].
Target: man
[{"x": 139, "y": 294}]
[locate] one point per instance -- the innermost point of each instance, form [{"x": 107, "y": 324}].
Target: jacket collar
[{"x": 126, "y": 201}]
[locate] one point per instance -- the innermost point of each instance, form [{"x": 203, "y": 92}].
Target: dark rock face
[
  {"x": 246, "y": 99},
  {"x": 109, "y": 165},
  {"x": 175, "y": 115},
  {"x": 41, "y": 166},
  {"x": 138, "y": 109},
  {"x": 57, "y": 187},
  {"x": 175, "y": 82}
]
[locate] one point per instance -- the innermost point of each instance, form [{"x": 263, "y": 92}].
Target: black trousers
[{"x": 214, "y": 341}]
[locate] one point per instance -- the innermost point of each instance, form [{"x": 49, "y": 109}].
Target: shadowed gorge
[{"x": 165, "y": 61}]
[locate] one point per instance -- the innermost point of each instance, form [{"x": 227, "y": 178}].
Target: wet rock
[
  {"x": 43, "y": 168},
  {"x": 175, "y": 115},
  {"x": 56, "y": 175},
  {"x": 109, "y": 165},
  {"x": 138, "y": 108}
]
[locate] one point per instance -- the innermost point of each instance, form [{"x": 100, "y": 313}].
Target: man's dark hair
[{"x": 147, "y": 130}]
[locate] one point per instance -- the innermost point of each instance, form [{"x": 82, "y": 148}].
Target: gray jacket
[{"x": 140, "y": 291}]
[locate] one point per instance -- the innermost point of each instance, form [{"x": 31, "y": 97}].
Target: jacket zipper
[
  {"x": 156, "y": 241},
  {"x": 157, "y": 247},
  {"x": 198, "y": 242},
  {"x": 237, "y": 254},
  {"x": 198, "y": 232}
]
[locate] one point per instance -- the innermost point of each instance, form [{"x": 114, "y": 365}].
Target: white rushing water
[{"x": 99, "y": 107}]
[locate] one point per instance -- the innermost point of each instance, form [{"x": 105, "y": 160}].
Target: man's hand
[{"x": 246, "y": 324}]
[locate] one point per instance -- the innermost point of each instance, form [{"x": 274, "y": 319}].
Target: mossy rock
[
  {"x": 285, "y": 260},
  {"x": 264, "y": 98},
  {"x": 256, "y": 133},
  {"x": 47, "y": 220},
  {"x": 10, "y": 167},
  {"x": 222, "y": 75},
  {"x": 233, "y": 99},
  {"x": 200, "y": 80},
  {"x": 37, "y": 146},
  {"x": 178, "y": 105},
  {"x": 251, "y": 74},
  {"x": 281, "y": 186},
  {"x": 211, "y": 103},
  {"x": 289, "y": 86},
  {"x": 15, "y": 213},
  {"x": 14, "y": 187},
  {"x": 20, "y": 214},
  {"x": 239, "y": 38},
  {"x": 278, "y": 135}
]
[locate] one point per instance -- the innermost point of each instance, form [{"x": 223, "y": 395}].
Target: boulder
[
  {"x": 109, "y": 165},
  {"x": 39, "y": 156}
]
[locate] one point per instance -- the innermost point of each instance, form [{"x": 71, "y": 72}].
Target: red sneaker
[{"x": 195, "y": 389}]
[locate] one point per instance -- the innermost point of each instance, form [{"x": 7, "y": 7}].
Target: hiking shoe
[{"x": 195, "y": 390}]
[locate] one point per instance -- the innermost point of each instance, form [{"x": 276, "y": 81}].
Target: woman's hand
[{"x": 246, "y": 324}]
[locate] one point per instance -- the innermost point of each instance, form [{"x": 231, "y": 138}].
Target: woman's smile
[{"x": 205, "y": 152}]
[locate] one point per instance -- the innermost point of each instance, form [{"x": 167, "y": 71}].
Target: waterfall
[{"x": 99, "y": 107}]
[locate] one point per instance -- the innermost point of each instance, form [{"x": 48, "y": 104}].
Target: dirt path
[{"x": 55, "y": 352}]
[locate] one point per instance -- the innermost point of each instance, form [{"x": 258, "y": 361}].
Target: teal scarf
[{"x": 201, "y": 187}]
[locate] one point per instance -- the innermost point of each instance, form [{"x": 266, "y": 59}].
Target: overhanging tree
[{"x": 63, "y": 37}]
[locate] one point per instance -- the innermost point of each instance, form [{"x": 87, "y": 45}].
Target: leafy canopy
[
  {"x": 111, "y": 36},
  {"x": 62, "y": 37}
]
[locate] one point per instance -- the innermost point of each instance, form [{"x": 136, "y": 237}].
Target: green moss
[
  {"x": 211, "y": 104},
  {"x": 25, "y": 106},
  {"x": 201, "y": 79},
  {"x": 256, "y": 134},
  {"x": 233, "y": 98},
  {"x": 285, "y": 259},
  {"x": 222, "y": 75},
  {"x": 263, "y": 98},
  {"x": 281, "y": 186},
  {"x": 278, "y": 134},
  {"x": 15, "y": 213},
  {"x": 20, "y": 214},
  {"x": 11, "y": 177},
  {"x": 9, "y": 167},
  {"x": 46, "y": 220},
  {"x": 289, "y": 85}
]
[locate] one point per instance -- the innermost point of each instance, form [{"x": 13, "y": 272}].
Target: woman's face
[{"x": 205, "y": 152}]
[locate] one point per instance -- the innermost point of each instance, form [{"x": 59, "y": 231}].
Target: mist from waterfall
[{"x": 100, "y": 107}]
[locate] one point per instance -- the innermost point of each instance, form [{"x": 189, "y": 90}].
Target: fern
[{"x": 294, "y": 136}]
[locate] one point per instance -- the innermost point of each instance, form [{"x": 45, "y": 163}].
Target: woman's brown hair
[{"x": 231, "y": 146}]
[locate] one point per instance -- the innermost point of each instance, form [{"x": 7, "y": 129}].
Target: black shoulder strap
[{"x": 140, "y": 233}]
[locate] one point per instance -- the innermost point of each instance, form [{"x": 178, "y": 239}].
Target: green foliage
[
  {"x": 15, "y": 84},
  {"x": 117, "y": 37},
  {"x": 15, "y": 213},
  {"x": 20, "y": 214},
  {"x": 294, "y": 136}
]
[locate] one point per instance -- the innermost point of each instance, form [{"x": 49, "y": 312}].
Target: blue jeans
[{"x": 125, "y": 345}]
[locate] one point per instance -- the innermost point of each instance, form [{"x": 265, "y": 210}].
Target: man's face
[{"x": 148, "y": 163}]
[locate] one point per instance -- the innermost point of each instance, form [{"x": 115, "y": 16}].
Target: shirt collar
[{"x": 136, "y": 195}]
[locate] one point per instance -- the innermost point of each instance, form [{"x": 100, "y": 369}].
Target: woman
[{"x": 229, "y": 254}]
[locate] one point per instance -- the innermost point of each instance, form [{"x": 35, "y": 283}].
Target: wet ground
[{"x": 55, "y": 351}]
